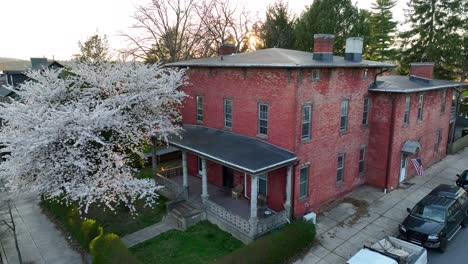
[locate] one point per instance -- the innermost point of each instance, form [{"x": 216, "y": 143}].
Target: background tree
[
  {"x": 278, "y": 28},
  {"x": 382, "y": 31},
  {"x": 95, "y": 50},
  {"x": 338, "y": 17},
  {"x": 74, "y": 135},
  {"x": 436, "y": 34}
]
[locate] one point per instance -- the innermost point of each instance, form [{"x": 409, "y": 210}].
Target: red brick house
[{"x": 299, "y": 129}]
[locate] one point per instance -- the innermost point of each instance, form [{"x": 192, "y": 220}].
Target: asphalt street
[{"x": 457, "y": 250}]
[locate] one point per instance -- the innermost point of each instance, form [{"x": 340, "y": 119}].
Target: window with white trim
[
  {"x": 263, "y": 184},
  {"x": 262, "y": 119},
  {"x": 340, "y": 168},
  {"x": 420, "y": 107},
  {"x": 306, "y": 122},
  {"x": 407, "y": 110},
  {"x": 365, "y": 113},
  {"x": 344, "y": 115},
  {"x": 362, "y": 160},
  {"x": 444, "y": 101},
  {"x": 304, "y": 182},
  {"x": 200, "y": 108},
  {"x": 316, "y": 75},
  {"x": 437, "y": 140},
  {"x": 228, "y": 113}
]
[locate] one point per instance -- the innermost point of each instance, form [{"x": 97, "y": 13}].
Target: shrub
[
  {"x": 89, "y": 230},
  {"x": 278, "y": 247},
  {"x": 109, "y": 249}
]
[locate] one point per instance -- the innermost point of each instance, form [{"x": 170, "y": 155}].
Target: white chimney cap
[{"x": 354, "y": 45}]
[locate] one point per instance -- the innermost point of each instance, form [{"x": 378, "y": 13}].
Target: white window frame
[
  {"x": 306, "y": 122},
  {"x": 421, "y": 107},
  {"x": 344, "y": 112},
  {"x": 262, "y": 177},
  {"x": 362, "y": 160},
  {"x": 227, "y": 115},
  {"x": 366, "y": 110},
  {"x": 200, "y": 112},
  {"x": 302, "y": 181},
  {"x": 340, "y": 167},
  {"x": 406, "y": 115},
  {"x": 315, "y": 75},
  {"x": 264, "y": 119}
]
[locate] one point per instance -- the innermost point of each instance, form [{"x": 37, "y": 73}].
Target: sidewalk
[
  {"x": 345, "y": 229},
  {"x": 39, "y": 241}
]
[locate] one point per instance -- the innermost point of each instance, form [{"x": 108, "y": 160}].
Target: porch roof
[{"x": 239, "y": 152}]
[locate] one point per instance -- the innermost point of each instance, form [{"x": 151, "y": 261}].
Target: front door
[
  {"x": 228, "y": 177},
  {"x": 404, "y": 164}
]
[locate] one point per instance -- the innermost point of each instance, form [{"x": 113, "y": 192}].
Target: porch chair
[{"x": 237, "y": 191}]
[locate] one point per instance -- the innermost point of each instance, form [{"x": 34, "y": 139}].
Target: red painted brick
[{"x": 423, "y": 70}]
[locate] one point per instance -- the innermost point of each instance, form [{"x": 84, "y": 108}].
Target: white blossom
[{"x": 71, "y": 132}]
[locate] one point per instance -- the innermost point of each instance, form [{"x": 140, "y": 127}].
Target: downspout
[
  {"x": 382, "y": 70},
  {"x": 390, "y": 143},
  {"x": 293, "y": 172}
]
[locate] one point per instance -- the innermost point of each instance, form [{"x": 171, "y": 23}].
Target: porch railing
[
  {"x": 271, "y": 222},
  {"x": 171, "y": 185},
  {"x": 233, "y": 219},
  {"x": 171, "y": 172}
]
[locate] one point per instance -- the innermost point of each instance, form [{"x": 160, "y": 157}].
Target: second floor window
[
  {"x": 407, "y": 110},
  {"x": 306, "y": 122},
  {"x": 316, "y": 75},
  {"x": 365, "y": 113},
  {"x": 362, "y": 159},
  {"x": 304, "y": 182},
  {"x": 344, "y": 115},
  {"x": 340, "y": 168},
  {"x": 420, "y": 107},
  {"x": 228, "y": 113},
  {"x": 444, "y": 101},
  {"x": 200, "y": 108},
  {"x": 263, "y": 119}
]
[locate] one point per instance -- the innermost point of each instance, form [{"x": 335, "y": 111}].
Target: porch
[{"x": 246, "y": 216}]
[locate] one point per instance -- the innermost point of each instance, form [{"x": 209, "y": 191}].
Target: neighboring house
[
  {"x": 295, "y": 130},
  {"x": 17, "y": 77}
]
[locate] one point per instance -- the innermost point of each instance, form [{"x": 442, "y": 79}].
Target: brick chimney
[
  {"x": 422, "y": 70},
  {"x": 323, "y": 47},
  {"x": 353, "y": 50},
  {"x": 226, "y": 49}
]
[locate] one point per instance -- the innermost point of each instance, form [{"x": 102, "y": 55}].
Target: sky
[{"x": 52, "y": 28}]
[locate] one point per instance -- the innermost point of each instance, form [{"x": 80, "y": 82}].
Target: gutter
[{"x": 390, "y": 144}]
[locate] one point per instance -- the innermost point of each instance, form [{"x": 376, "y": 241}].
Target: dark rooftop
[
  {"x": 450, "y": 191},
  {"x": 409, "y": 84},
  {"x": 275, "y": 58},
  {"x": 243, "y": 153}
]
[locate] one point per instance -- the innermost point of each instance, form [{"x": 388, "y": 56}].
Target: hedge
[
  {"x": 109, "y": 249},
  {"x": 278, "y": 247}
]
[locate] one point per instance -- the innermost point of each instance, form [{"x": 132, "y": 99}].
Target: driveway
[
  {"x": 39, "y": 241},
  {"x": 346, "y": 228}
]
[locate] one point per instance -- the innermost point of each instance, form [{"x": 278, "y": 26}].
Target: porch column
[
  {"x": 287, "y": 203},
  {"x": 204, "y": 181},
  {"x": 184, "y": 174},
  {"x": 253, "y": 204}
]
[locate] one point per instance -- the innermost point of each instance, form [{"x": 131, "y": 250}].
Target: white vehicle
[{"x": 390, "y": 251}]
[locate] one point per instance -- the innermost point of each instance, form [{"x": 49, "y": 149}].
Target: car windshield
[{"x": 429, "y": 212}]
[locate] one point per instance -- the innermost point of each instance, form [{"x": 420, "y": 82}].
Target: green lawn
[{"x": 201, "y": 243}]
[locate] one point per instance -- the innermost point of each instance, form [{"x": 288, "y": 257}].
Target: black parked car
[
  {"x": 437, "y": 217},
  {"x": 462, "y": 180}
]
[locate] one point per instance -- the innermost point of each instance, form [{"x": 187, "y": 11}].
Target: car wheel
[{"x": 443, "y": 245}]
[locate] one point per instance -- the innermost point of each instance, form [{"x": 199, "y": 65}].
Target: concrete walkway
[
  {"x": 39, "y": 241},
  {"x": 341, "y": 232},
  {"x": 168, "y": 223}
]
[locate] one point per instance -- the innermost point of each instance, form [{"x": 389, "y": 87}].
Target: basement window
[{"x": 340, "y": 168}]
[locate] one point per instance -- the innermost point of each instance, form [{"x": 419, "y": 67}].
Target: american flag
[{"x": 417, "y": 163}]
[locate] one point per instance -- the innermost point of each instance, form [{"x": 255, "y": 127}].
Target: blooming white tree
[{"x": 72, "y": 133}]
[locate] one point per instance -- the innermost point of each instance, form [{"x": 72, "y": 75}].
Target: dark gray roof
[
  {"x": 411, "y": 146},
  {"x": 239, "y": 152},
  {"x": 274, "y": 57},
  {"x": 5, "y": 92},
  {"x": 410, "y": 84}
]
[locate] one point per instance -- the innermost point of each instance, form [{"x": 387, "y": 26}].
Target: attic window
[{"x": 315, "y": 75}]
